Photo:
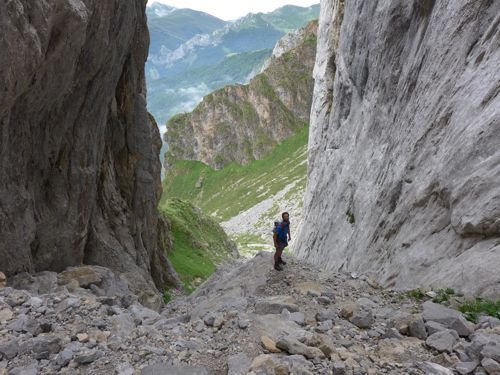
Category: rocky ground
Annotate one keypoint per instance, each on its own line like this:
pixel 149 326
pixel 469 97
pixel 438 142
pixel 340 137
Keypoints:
pixel 246 319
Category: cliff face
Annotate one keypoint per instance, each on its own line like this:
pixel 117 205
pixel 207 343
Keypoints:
pixel 404 156
pixel 243 122
pixel 80 174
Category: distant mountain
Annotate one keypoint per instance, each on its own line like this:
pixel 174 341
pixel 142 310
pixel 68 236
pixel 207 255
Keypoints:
pixel 170 27
pixel 193 53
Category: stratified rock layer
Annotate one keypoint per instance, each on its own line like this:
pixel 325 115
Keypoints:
pixel 404 150
pixel 79 167
pixel 241 123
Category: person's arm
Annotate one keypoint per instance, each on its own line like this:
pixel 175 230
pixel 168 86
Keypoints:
pixel 275 238
pixel 289 235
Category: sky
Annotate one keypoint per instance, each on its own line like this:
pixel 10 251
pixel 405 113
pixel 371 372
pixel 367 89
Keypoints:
pixel 233 9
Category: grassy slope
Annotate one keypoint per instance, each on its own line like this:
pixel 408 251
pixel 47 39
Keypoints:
pixel 225 193
pixel 199 243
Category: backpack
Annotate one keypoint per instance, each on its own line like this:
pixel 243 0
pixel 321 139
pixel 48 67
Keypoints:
pixel 279 229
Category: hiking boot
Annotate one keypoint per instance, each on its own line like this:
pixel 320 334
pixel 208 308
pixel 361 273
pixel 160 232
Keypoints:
pixel 281 261
pixel 277 267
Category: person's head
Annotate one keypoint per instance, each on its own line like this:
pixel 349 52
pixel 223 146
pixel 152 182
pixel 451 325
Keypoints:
pixel 285 216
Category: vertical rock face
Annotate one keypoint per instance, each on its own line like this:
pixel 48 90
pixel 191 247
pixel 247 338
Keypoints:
pixel 79 167
pixel 404 157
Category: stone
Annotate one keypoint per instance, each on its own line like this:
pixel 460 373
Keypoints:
pixel 449 318
pixel 490 365
pixel 297 317
pixel 323 300
pixel 407 212
pixel 238 364
pixel 324 314
pixel 491 350
pixel 123 325
pixel 323 343
pixel 434 369
pixel 162 369
pixel 410 324
pixel 442 341
pixel 339 368
pixel 88 357
pixel 362 318
pixel 275 305
pixel 9 349
pixel 269 344
pixel 82 337
pixel 31 369
pixel 243 323
pixel 464 368
pixel 64 357
pixel 267 364
pixel 324 327
pixel 43 345
pixel 433 327
pixel 6 315
pixel 293 346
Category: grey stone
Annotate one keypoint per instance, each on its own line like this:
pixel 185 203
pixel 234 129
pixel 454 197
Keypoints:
pixel 162 369
pixel 434 369
pixel 88 357
pixel 64 357
pixel 442 341
pixel 238 364
pixel 392 189
pixel 42 345
pixel 490 365
pixel 25 324
pixel 338 368
pixel 31 369
pixel 293 346
pixel 464 368
pixel 491 350
pixel 297 317
pixel 9 349
pixel 362 318
pixel 324 300
pixel 324 327
pixel 275 305
pixel 243 323
pixel 449 318
pixel 433 327
pixel 326 315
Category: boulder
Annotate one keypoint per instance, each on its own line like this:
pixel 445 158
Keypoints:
pixel 293 346
pixel 452 319
pixel 275 305
pixel 442 341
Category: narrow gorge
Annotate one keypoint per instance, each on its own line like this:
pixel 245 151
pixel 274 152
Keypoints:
pixel 377 127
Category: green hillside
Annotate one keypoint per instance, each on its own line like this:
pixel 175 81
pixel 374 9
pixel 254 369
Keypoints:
pixel 199 243
pixel 224 193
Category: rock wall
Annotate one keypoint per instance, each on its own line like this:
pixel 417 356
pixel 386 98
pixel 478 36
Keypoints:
pixel 79 166
pixel 241 123
pixel 404 155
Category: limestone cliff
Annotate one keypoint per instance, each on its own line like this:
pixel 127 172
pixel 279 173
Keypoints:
pixel 241 123
pixel 404 155
pixel 79 167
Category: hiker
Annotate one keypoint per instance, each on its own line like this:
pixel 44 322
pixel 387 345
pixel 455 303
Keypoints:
pixel 281 236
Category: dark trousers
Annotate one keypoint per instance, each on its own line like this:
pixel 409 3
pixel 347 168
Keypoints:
pixel 279 250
